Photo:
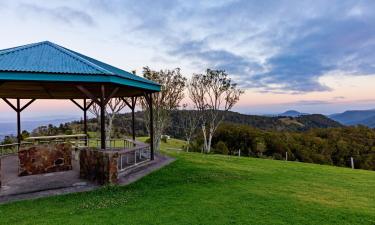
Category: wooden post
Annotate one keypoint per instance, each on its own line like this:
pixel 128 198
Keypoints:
pixel 352 162
pixel 151 127
pixel 102 119
pixel 133 117
pixel 18 110
pixel 85 120
pixel 18 121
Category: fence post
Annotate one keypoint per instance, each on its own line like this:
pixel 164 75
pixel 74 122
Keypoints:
pixel 239 152
pixel 286 156
pixel 352 162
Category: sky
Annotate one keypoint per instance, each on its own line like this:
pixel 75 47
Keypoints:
pixel 312 56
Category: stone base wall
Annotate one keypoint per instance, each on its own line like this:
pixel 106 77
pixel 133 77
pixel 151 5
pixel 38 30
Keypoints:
pixel 99 166
pixel 39 159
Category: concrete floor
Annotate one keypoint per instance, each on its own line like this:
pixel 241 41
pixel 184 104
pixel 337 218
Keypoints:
pixel 36 186
pixel 14 186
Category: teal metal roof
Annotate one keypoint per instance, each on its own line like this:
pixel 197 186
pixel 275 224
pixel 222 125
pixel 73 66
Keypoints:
pixel 46 61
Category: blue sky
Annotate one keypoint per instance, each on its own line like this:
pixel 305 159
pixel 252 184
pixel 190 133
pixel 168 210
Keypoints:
pixel 314 56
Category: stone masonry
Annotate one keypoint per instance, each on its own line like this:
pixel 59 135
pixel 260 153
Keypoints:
pixel 99 166
pixel 39 159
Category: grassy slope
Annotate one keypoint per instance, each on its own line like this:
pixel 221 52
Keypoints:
pixel 214 189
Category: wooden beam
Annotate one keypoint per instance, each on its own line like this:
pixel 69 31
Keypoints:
pixel 18 121
pixel 147 97
pixel 10 104
pixel 85 121
pixel 134 99
pixel 107 99
pixel 88 94
pixel 47 91
pixel 126 102
pixel 151 127
pixel 89 105
pixel 76 103
pixel 27 104
pixel 102 119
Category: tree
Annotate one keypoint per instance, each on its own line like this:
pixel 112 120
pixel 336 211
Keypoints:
pixel 211 93
pixel 114 106
pixel 169 98
pixel 189 124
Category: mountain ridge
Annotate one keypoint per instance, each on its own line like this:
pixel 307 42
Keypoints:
pixel 355 117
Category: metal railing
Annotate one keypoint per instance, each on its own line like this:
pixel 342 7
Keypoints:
pixel 76 140
pixel 133 157
pixel 114 144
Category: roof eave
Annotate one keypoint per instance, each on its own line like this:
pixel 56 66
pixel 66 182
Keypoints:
pixel 84 78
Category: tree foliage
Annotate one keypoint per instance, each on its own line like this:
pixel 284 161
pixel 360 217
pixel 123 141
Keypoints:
pixel 211 93
pixel 332 146
pixel 169 98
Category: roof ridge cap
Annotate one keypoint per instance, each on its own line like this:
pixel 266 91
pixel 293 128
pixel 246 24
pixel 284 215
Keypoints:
pixel 79 58
pixel 20 48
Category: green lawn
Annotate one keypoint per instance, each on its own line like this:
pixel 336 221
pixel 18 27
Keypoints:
pixel 214 189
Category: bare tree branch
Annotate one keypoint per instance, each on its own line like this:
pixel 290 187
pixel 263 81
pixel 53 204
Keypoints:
pixel 169 98
pixel 211 93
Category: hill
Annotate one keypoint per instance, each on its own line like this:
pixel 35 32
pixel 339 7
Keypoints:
pixel 355 117
pixel 300 123
pixel 122 123
pixel 292 113
pixel 370 122
pixel 215 189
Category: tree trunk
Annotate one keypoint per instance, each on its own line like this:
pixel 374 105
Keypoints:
pixel 187 144
pixel 109 127
pixel 204 139
pixel 209 143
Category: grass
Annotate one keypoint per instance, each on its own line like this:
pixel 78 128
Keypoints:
pixel 215 189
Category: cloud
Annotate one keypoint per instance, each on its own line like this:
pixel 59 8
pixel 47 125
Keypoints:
pixel 65 14
pixel 197 53
pixel 271 46
pixel 312 102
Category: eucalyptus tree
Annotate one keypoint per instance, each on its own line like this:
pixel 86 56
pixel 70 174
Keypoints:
pixel 212 93
pixel 169 98
pixel 113 108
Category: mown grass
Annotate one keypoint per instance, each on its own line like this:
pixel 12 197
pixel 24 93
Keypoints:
pixel 215 189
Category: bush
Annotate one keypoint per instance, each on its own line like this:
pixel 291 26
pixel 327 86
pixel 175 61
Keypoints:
pixel 164 139
pixel 221 148
pixel 196 146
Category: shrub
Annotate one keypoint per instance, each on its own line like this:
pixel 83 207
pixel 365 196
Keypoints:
pixel 221 148
pixel 164 139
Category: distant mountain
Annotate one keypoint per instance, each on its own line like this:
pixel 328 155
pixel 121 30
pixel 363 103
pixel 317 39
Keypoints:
pixel 292 113
pixel 356 117
pixel 280 123
pixel 370 122
pixel 7 128
pixel 122 122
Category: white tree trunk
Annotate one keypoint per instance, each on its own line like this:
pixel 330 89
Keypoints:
pixel 205 147
pixel 187 144
pixel 209 143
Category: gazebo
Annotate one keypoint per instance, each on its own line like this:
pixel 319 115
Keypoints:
pixel 46 70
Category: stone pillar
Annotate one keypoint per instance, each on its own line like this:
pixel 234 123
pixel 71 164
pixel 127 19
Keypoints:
pixel 99 166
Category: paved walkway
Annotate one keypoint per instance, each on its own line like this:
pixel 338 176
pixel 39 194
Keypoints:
pixel 36 186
